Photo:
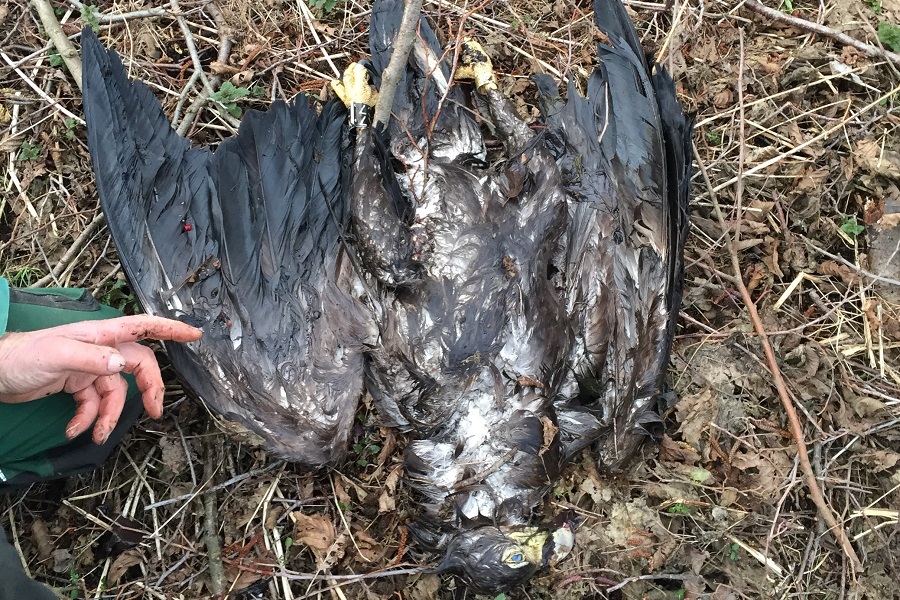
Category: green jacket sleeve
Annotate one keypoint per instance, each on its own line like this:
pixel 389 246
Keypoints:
pixel 4 304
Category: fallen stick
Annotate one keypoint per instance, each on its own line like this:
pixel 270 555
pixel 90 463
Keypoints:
pixel 816 28
pixel 218 582
pixel 56 35
pixel 390 78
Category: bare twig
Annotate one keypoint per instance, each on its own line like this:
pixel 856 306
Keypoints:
pixel 66 50
pixel 847 263
pixel 37 89
pixel 156 11
pixel 210 83
pixel 218 583
pixel 73 252
pixel 481 476
pixel 390 78
pixel 837 36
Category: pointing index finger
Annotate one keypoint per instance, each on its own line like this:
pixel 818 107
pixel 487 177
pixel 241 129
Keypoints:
pixel 121 330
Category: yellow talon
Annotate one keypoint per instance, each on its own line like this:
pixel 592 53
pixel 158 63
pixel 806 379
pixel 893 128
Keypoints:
pixel 475 64
pixel 356 93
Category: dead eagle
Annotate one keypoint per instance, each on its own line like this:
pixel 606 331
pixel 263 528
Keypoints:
pixel 506 315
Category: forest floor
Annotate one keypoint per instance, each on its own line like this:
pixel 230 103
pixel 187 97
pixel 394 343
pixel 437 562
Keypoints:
pixel 797 148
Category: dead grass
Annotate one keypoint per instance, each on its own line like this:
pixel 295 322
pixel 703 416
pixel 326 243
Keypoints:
pixel 719 509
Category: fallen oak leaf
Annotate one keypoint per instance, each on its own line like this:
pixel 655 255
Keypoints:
pixel 315 531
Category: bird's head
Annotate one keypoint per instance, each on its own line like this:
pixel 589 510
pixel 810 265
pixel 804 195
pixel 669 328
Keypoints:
pixel 491 559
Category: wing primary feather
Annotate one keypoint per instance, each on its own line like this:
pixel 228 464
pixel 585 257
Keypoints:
pixel 243 242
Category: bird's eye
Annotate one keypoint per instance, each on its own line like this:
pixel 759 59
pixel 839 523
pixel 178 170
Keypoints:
pixel 517 558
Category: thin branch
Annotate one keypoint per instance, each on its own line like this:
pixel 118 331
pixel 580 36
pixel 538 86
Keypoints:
pixel 73 252
pixel 218 582
pixel 855 268
pixel 137 14
pixel 390 78
pixel 56 35
pixel 816 28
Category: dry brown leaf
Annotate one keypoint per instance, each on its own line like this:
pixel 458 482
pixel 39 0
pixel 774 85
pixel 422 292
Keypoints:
pixel 315 531
pixel 767 65
pixel 599 495
pixel 425 588
pixel 873 210
pixel 873 157
pixel 695 413
pixel 845 273
pixel 40 535
pixel 680 452
pixel 764 468
pixel 386 501
pixel 62 560
pixel 242 579
pixel 388 445
pixel 122 563
pixel 173 456
pixel 770 258
pixel 882 460
pixel 368 547
pixel 864 406
pixel 758 210
pixel 889 221
pixel 340 492
pixel 243 77
pixel 222 68
pixel 723 98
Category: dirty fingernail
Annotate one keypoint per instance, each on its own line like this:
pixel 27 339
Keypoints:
pixel 72 431
pixel 116 362
pixel 101 435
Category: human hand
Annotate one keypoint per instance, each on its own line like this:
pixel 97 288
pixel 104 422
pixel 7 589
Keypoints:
pixel 84 359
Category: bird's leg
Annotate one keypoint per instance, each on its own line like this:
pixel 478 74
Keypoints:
pixel 475 64
pixel 357 94
pixel 380 213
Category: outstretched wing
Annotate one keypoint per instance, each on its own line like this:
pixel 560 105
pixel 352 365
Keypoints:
pixel 625 155
pixel 244 242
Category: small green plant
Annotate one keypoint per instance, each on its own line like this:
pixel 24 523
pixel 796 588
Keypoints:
pixel 679 509
pixel 325 6
pixel 366 452
pixel 500 596
pixel 227 97
pixel 56 60
pixel 74 578
pixel 288 542
pixel 117 294
pixel 90 14
pixel 714 137
pixel 733 555
pixel 851 227
pixel 680 593
pixel 22 276
pixel 29 151
pixel 69 122
pixel 258 91
pixel 525 21
pixel 875 5
pixel 787 6
pixel 889 35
